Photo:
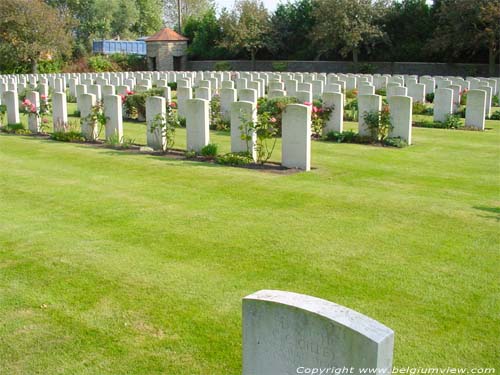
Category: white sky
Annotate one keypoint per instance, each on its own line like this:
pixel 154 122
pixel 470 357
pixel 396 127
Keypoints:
pixel 270 4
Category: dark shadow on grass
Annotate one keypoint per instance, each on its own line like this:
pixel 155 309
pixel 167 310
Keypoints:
pixel 494 210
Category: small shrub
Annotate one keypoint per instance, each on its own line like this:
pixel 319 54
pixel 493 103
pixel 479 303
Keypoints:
pixel 463 98
pixel 496 101
pixel 347 136
pixel 452 122
pixel 182 122
pixel 172 85
pixel 429 97
pixel 70 98
pixel 135 104
pixel 210 150
pixel 495 115
pixel 190 154
pixel 378 123
pixel 234 158
pixel 367 68
pixel 274 108
pixel 216 120
pixel 71 136
pixel 222 66
pixel 99 63
pixel 280 66
pixel 120 143
pixel 419 108
pixel 351 94
pixel 14 129
pixel 395 142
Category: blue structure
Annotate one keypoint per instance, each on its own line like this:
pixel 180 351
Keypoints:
pixel 129 47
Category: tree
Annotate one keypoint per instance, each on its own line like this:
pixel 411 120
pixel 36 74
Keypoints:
pixel 246 27
pixel 347 25
pixel 31 30
pixel 466 27
pixel 291 24
pixel 187 9
pixel 150 17
pixel 204 31
pixel 409 25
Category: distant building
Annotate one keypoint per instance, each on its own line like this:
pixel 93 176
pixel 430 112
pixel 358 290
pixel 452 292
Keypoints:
pixel 167 50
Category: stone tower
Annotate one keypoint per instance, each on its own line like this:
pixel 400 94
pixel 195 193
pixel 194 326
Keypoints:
pixel 167 50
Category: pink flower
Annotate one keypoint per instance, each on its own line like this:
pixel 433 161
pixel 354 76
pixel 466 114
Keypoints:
pixel 308 103
pixel 33 108
pixel 26 102
pixel 130 92
pixel 43 97
pixel 173 105
pixel 272 120
pixel 315 109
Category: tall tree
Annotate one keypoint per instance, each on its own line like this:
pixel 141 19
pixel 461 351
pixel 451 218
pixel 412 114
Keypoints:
pixel 186 9
pixel 31 30
pixel 466 27
pixel 291 24
pixel 409 25
pixel 347 25
pixel 150 17
pixel 246 27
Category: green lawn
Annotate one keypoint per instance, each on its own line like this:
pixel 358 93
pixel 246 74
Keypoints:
pixel 116 263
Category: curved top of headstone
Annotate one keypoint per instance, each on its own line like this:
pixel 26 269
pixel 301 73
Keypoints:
pixel 351 319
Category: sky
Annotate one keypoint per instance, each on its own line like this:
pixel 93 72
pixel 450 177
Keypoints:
pixel 269 4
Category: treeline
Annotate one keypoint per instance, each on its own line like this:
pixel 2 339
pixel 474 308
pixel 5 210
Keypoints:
pixel 48 34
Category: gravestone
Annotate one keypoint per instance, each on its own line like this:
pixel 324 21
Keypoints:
pixel 366 90
pixel 197 124
pixel 11 100
pixel 34 119
pixel 273 94
pixel 242 112
pixel 227 97
pixel 183 95
pixel 296 137
pixel 203 93
pixel 247 95
pixel 113 113
pixel 287 333
pixel 401 117
pixel 155 117
pixel 334 100
pixel 367 103
pixel 59 111
pixel 476 109
pixel 89 129
pixel 443 104
pixel 417 92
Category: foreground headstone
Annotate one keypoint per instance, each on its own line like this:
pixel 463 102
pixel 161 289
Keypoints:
pixel 443 104
pixel 290 333
pixel 11 100
pixel 59 111
pixel 243 112
pixel 334 100
pixel 114 117
pixel 476 109
pixel 197 124
pixel 34 121
pixel 89 127
pixel 296 137
pixel 366 104
pixel 401 116
pixel 155 117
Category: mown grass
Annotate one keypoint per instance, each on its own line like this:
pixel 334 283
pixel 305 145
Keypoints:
pixel 117 263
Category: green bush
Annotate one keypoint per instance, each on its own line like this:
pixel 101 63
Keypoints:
pixel 496 101
pixel 280 66
pixel 129 62
pixel 451 122
pixel 395 142
pixel 210 150
pixel 222 66
pixel 14 129
pixel 71 136
pixel 495 115
pixel 234 158
pixel 348 136
pixel 429 97
pixel 419 108
pixel 99 63
pixel 135 104
pixel 172 85
pixel 275 107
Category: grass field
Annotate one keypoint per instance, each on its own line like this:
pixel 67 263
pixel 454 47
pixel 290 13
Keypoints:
pixel 116 263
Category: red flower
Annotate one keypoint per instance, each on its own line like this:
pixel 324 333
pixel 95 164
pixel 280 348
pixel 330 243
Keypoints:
pixel 173 105
pixel 43 97
pixel 130 92
pixel 308 103
pixel 315 109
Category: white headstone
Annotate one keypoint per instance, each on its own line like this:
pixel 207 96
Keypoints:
pixel 59 111
pixel 197 124
pixel 113 113
pixel 89 128
pixel 290 333
pixel 367 103
pixel 443 104
pixel 334 100
pixel 242 112
pixel 296 137
pixel 34 119
pixel 476 109
pixel 401 108
pixel 10 99
pixel 155 118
